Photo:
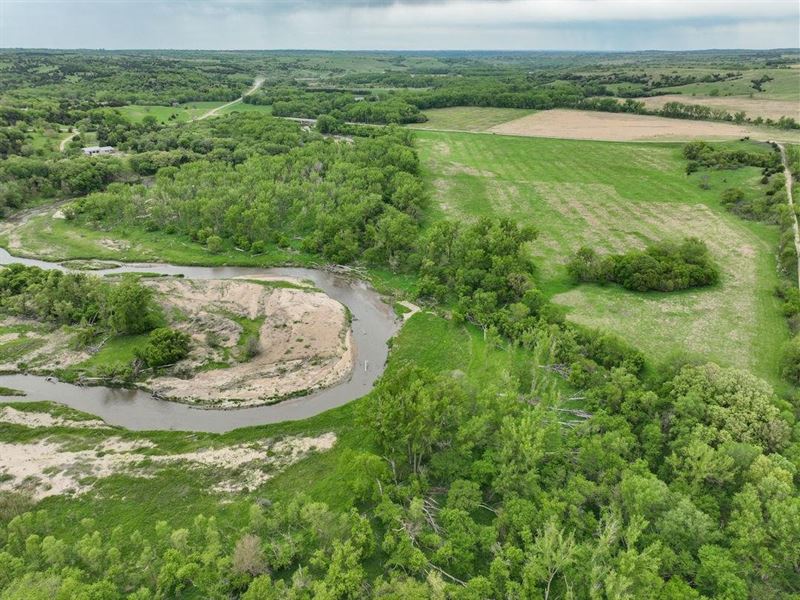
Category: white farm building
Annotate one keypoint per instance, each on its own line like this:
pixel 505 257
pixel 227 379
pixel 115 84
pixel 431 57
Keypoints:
pixel 95 150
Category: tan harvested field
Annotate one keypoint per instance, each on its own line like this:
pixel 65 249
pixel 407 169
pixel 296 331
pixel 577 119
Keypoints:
pixel 619 127
pixel 753 107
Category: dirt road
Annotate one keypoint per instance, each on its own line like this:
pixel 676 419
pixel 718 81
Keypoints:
pixel 256 84
pixel 787 173
pixel 67 140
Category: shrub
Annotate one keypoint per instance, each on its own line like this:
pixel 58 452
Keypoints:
pixel 790 362
pixel 587 265
pixel 252 347
pixel 165 346
pixel 214 243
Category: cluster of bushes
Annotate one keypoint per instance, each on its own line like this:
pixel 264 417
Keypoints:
pixel 767 207
pixel 704 155
pixel 484 271
pixel 165 346
pixel 26 179
pixel 665 266
pixel 789 295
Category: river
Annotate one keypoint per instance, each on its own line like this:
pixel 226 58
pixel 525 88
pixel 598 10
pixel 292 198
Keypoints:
pixel 373 324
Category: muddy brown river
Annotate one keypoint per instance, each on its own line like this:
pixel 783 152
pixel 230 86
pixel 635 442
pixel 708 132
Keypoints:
pixel 373 324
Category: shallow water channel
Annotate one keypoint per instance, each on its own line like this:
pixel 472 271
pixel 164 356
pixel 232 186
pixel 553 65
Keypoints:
pixel 374 323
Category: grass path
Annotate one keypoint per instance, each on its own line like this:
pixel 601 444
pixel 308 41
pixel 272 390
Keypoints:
pixel 63 145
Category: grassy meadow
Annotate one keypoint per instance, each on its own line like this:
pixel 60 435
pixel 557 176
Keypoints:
pixel 785 85
pixel 615 196
pixel 184 112
pixel 164 114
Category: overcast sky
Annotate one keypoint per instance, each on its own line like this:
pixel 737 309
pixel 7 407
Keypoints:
pixel 401 24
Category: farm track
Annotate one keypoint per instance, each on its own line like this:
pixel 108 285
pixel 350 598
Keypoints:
pixel 256 84
pixel 62 146
pixel 787 173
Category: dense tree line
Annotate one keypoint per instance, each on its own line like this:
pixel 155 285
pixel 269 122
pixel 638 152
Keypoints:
pixel 344 106
pixel 150 146
pixel 705 155
pixel 119 78
pixel 52 296
pixel 664 266
pixel 346 201
pixel 26 179
pixel 680 488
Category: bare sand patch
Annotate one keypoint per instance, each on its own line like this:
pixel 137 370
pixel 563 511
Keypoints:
pixel 304 341
pixel 50 350
pixel 44 419
pixel 752 107
pixel 619 127
pixel 47 468
pixel 114 245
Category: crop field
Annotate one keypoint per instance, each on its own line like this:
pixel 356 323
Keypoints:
pixel 469 118
pixel 620 127
pixel 614 197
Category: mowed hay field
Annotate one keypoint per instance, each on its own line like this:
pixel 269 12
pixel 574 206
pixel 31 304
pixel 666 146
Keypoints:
pixel 620 127
pixel 616 196
pixel 469 118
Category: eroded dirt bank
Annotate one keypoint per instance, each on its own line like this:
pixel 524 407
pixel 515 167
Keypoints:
pixel 303 340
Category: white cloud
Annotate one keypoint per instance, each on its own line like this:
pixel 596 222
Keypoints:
pixel 386 24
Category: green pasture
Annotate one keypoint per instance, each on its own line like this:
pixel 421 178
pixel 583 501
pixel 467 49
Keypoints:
pixel 616 196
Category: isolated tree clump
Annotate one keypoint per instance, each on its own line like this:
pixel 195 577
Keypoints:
pixel 165 346
pixel 665 267
pixel 131 308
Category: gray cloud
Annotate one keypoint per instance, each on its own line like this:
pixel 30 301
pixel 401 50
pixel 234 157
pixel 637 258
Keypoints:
pixel 401 24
